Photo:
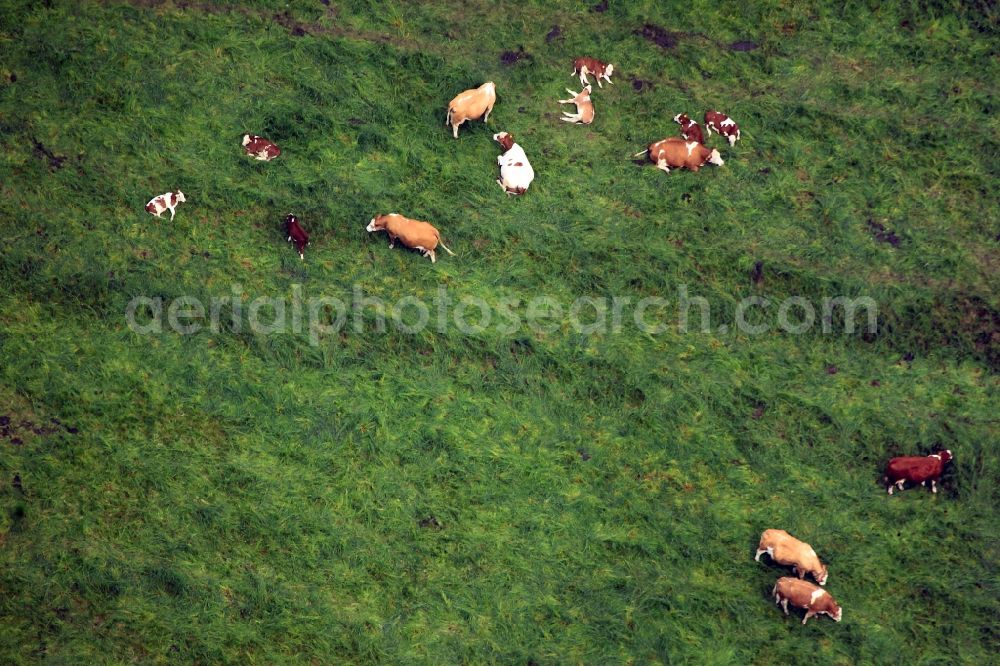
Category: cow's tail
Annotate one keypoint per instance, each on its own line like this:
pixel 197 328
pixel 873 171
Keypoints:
pixel 642 153
pixel 441 243
pixel 447 119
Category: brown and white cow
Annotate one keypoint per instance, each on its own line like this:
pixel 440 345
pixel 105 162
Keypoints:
pixel 787 550
pixel 260 148
pixel 471 104
pixel 164 202
pixel 585 66
pixel 803 594
pixel 690 130
pixel 414 234
pixel 723 124
pixel 516 173
pixel 296 234
pixel 678 153
pixel 584 107
pixel 916 469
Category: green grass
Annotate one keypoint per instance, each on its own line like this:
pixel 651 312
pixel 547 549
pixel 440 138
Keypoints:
pixel 396 498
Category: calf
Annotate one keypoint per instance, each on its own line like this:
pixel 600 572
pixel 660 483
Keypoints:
pixel 787 550
pixel 413 234
pixel 296 234
pixel 803 594
pixel 584 66
pixel 260 148
pixel 677 153
pixel 516 173
pixel 471 104
pixel 690 130
pixel 584 107
pixel 722 124
pixel 164 202
pixel 916 469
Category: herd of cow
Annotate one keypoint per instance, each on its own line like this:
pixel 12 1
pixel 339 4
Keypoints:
pixel 789 551
pixel 687 151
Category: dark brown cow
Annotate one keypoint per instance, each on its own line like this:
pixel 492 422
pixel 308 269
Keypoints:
pixel 723 124
pixel 690 130
pixel 260 148
pixel 296 234
pixel 916 469
pixel 584 66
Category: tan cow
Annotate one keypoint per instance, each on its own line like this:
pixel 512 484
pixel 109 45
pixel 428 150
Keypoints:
pixel 678 153
pixel 584 107
pixel 471 104
pixel 585 66
pixel 413 234
pixel 787 550
pixel 803 594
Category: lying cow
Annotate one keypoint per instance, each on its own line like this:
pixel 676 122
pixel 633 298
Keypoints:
pixel 516 173
pixel 260 148
pixel 296 234
pixel 678 153
pixel 803 594
pixel 690 130
pixel 164 202
pixel 471 104
pixel 584 107
pixel 585 66
pixel 916 469
pixel 723 124
pixel 414 234
pixel 787 550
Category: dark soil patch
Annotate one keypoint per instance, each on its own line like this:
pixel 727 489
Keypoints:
pixel 554 33
pixel 584 456
pixel 882 234
pixel 430 522
pixel 41 152
pixel 510 58
pixel 639 85
pixel 4 420
pixel 831 370
pixel 758 413
pixel 659 36
pixel 357 122
pixel 757 272
pixel 743 46
pixel 13 77
pixel 876 383
pixel 600 7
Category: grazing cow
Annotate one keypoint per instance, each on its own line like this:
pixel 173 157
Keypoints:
pixel 260 147
pixel 803 594
pixel 164 202
pixel 470 105
pixel 413 234
pixel 722 124
pixel 678 153
pixel 584 107
pixel 516 173
pixel 916 469
pixel 787 550
pixel 296 234
pixel 584 66
pixel 690 130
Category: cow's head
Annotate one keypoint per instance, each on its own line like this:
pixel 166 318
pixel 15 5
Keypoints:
pixel 945 455
pixel 682 119
pixel 836 612
pixel 715 158
pixel 289 219
pixel 180 196
pixel 505 139
pixel 377 224
pixel 821 574
pixel 247 138
pixel 609 70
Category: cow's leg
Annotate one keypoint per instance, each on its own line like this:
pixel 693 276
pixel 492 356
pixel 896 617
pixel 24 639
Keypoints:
pixel 809 614
pixel 784 605
pixel 454 128
pixel 662 164
pixel 708 128
pixel 583 76
pixel 732 140
pixel 760 551
pixel 302 256
pixel 431 254
pixel 900 483
pixel 933 486
pixel 172 210
pixel 486 118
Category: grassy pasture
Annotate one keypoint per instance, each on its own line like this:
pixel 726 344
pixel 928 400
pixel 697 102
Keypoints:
pixel 511 497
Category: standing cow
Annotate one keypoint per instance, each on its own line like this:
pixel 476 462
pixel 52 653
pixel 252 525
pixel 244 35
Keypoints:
pixel 723 124
pixel 471 104
pixel 585 66
pixel 296 234
pixel 916 469
pixel 803 594
pixel 167 201
pixel 690 130
pixel 414 234
pixel 787 550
